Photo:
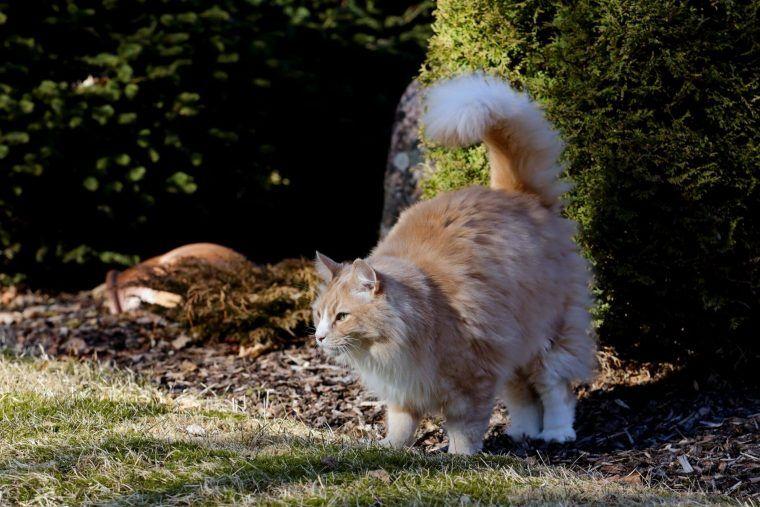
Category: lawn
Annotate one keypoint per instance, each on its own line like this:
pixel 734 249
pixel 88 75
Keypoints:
pixel 73 433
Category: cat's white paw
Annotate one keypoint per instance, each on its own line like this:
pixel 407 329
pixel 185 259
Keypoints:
pixel 518 432
pixel 560 435
pixel 524 420
pixel 463 448
pixel 390 444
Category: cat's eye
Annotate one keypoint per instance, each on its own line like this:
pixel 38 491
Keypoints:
pixel 341 316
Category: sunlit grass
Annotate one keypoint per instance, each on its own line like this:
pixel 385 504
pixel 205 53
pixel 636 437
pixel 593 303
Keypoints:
pixel 72 433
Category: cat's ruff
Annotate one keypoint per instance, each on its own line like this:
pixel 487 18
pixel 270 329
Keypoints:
pixel 476 294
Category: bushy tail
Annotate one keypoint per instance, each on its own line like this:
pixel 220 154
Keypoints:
pixel 522 146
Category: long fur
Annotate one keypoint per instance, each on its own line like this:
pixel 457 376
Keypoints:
pixel 475 294
pixel 522 146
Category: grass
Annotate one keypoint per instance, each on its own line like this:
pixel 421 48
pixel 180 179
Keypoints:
pixel 72 433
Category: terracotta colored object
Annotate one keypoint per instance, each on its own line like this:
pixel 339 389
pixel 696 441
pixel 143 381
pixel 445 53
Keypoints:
pixel 123 291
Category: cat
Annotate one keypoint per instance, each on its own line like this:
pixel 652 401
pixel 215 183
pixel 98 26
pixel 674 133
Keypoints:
pixel 474 295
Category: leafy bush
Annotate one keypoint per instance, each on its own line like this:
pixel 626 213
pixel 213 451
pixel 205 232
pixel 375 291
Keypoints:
pixel 132 126
pixel 657 101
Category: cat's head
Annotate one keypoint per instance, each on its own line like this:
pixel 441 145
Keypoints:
pixel 351 310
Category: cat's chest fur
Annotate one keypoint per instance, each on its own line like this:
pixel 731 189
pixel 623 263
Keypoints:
pixel 403 381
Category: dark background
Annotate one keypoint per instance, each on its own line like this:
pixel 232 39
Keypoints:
pixel 263 126
pixel 128 128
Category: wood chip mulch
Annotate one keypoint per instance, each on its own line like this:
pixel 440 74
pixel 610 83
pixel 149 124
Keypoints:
pixel 639 423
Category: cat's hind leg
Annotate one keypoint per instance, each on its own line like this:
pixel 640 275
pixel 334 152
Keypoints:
pixel 558 400
pixel 570 359
pixel 524 407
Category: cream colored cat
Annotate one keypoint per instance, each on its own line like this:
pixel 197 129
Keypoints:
pixel 475 295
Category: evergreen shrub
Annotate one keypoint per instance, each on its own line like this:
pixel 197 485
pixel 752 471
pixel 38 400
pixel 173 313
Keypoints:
pixel 657 101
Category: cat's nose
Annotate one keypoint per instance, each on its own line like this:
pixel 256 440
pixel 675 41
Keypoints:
pixel 319 337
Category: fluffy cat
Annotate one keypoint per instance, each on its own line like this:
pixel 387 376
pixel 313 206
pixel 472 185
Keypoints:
pixel 476 294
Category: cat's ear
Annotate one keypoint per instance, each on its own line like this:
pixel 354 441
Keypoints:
pixel 366 276
pixel 326 267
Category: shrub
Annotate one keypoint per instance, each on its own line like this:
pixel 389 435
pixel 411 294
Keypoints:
pixel 657 101
pixel 130 127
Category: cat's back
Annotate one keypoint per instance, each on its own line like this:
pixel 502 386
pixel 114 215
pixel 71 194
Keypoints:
pixel 499 261
pixel 463 226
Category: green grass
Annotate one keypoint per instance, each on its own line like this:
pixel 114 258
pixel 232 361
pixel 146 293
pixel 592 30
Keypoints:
pixel 73 434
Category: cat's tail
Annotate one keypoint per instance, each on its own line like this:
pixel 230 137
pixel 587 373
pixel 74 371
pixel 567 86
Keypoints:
pixel 522 146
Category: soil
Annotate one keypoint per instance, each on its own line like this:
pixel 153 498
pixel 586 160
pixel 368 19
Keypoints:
pixel 638 423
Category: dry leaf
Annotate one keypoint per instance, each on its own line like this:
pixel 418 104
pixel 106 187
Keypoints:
pixel 76 346
pixel 188 366
pixel 253 351
pixel 685 465
pixel 181 341
pixel 380 474
pixel 633 478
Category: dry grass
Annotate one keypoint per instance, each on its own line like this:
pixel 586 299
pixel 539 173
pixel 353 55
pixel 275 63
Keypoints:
pixel 261 307
pixel 72 433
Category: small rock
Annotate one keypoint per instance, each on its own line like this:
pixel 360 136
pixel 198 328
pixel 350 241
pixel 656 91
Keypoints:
pixel 195 430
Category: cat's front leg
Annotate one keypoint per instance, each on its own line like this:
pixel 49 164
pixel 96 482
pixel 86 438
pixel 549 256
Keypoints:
pixel 400 425
pixel 467 428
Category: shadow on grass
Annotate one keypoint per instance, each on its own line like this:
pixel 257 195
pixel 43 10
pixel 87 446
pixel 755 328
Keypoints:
pixel 135 469
pixel 139 468
pixel 87 464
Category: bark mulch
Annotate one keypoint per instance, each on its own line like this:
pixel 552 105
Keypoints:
pixel 639 423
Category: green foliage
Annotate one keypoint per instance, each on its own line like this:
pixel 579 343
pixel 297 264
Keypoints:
pixel 657 102
pixel 124 120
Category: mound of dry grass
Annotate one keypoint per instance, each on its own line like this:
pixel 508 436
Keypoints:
pixel 260 307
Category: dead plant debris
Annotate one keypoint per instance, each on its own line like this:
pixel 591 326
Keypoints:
pixel 259 307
